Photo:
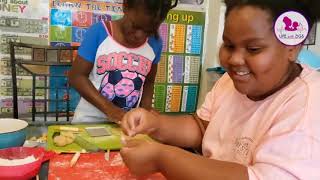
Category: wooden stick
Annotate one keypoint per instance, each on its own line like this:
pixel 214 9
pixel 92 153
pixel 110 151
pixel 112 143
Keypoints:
pixel 65 128
pixel 74 159
pixel 107 155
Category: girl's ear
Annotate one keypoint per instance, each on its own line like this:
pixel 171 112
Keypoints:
pixel 294 52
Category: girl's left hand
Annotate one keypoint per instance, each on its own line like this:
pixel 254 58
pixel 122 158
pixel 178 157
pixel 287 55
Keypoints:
pixel 142 156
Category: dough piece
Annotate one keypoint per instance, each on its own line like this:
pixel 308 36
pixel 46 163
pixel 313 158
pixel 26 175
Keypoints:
pixel 67 134
pixel 64 138
pixel 69 140
pixel 60 141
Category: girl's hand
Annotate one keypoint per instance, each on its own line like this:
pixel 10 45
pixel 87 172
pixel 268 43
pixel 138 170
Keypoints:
pixel 142 156
pixel 140 121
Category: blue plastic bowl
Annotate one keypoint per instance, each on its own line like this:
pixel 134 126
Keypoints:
pixel 12 132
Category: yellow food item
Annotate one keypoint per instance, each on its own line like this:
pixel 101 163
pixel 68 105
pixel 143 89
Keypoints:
pixel 60 141
pixel 69 140
pixel 64 128
pixel 64 139
pixel 43 138
pixel 67 134
pixel 33 138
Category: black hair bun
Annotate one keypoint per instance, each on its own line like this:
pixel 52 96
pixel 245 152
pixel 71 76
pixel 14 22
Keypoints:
pixel 314 8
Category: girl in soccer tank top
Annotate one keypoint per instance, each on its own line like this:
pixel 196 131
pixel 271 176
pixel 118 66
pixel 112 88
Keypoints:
pixel 117 62
pixel 261 120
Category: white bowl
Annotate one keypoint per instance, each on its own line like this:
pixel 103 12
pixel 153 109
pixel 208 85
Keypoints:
pixel 11 125
pixel 12 132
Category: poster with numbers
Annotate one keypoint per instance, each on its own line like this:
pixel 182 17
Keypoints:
pixel 23 21
pixel 178 77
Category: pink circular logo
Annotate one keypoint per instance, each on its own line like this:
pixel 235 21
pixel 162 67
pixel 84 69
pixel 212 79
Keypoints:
pixel 291 28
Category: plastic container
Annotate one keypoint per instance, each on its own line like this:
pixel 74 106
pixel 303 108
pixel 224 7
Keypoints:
pixel 26 171
pixel 12 132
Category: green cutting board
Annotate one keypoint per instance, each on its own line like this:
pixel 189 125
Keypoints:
pixel 112 142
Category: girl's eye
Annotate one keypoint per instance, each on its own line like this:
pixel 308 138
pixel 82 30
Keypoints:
pixel 254 49
pixel 228 46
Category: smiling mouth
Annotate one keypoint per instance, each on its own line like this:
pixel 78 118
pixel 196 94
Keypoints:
pixel 241 76
pixel 242 73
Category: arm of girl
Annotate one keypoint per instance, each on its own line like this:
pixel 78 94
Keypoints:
pixel 175 163
pixel 181 131
pixel 147 95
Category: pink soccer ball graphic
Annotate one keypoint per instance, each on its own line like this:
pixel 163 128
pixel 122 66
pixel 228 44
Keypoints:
pixel 122 88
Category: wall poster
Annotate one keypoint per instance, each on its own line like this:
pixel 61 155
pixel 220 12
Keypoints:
pixel 23 21
pixel 178 77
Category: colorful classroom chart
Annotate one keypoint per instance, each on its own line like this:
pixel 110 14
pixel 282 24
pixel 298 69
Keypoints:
pixel 162 70
pixel 163 32
pixel 188 98
pixel 159 97
pixel 192 68
pixel 175 69
pixel 194 39
pixel 173 98
pixel 69 19
pixel 24 21
pixel 177 38
pixel 177 80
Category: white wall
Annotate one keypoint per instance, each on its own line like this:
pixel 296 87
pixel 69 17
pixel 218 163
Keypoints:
pixel 316 48
pixel 210 58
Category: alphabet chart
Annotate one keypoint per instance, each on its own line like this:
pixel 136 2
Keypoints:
pixel 177 81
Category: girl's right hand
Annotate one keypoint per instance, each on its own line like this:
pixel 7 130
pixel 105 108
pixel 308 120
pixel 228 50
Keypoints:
pixel 140 121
